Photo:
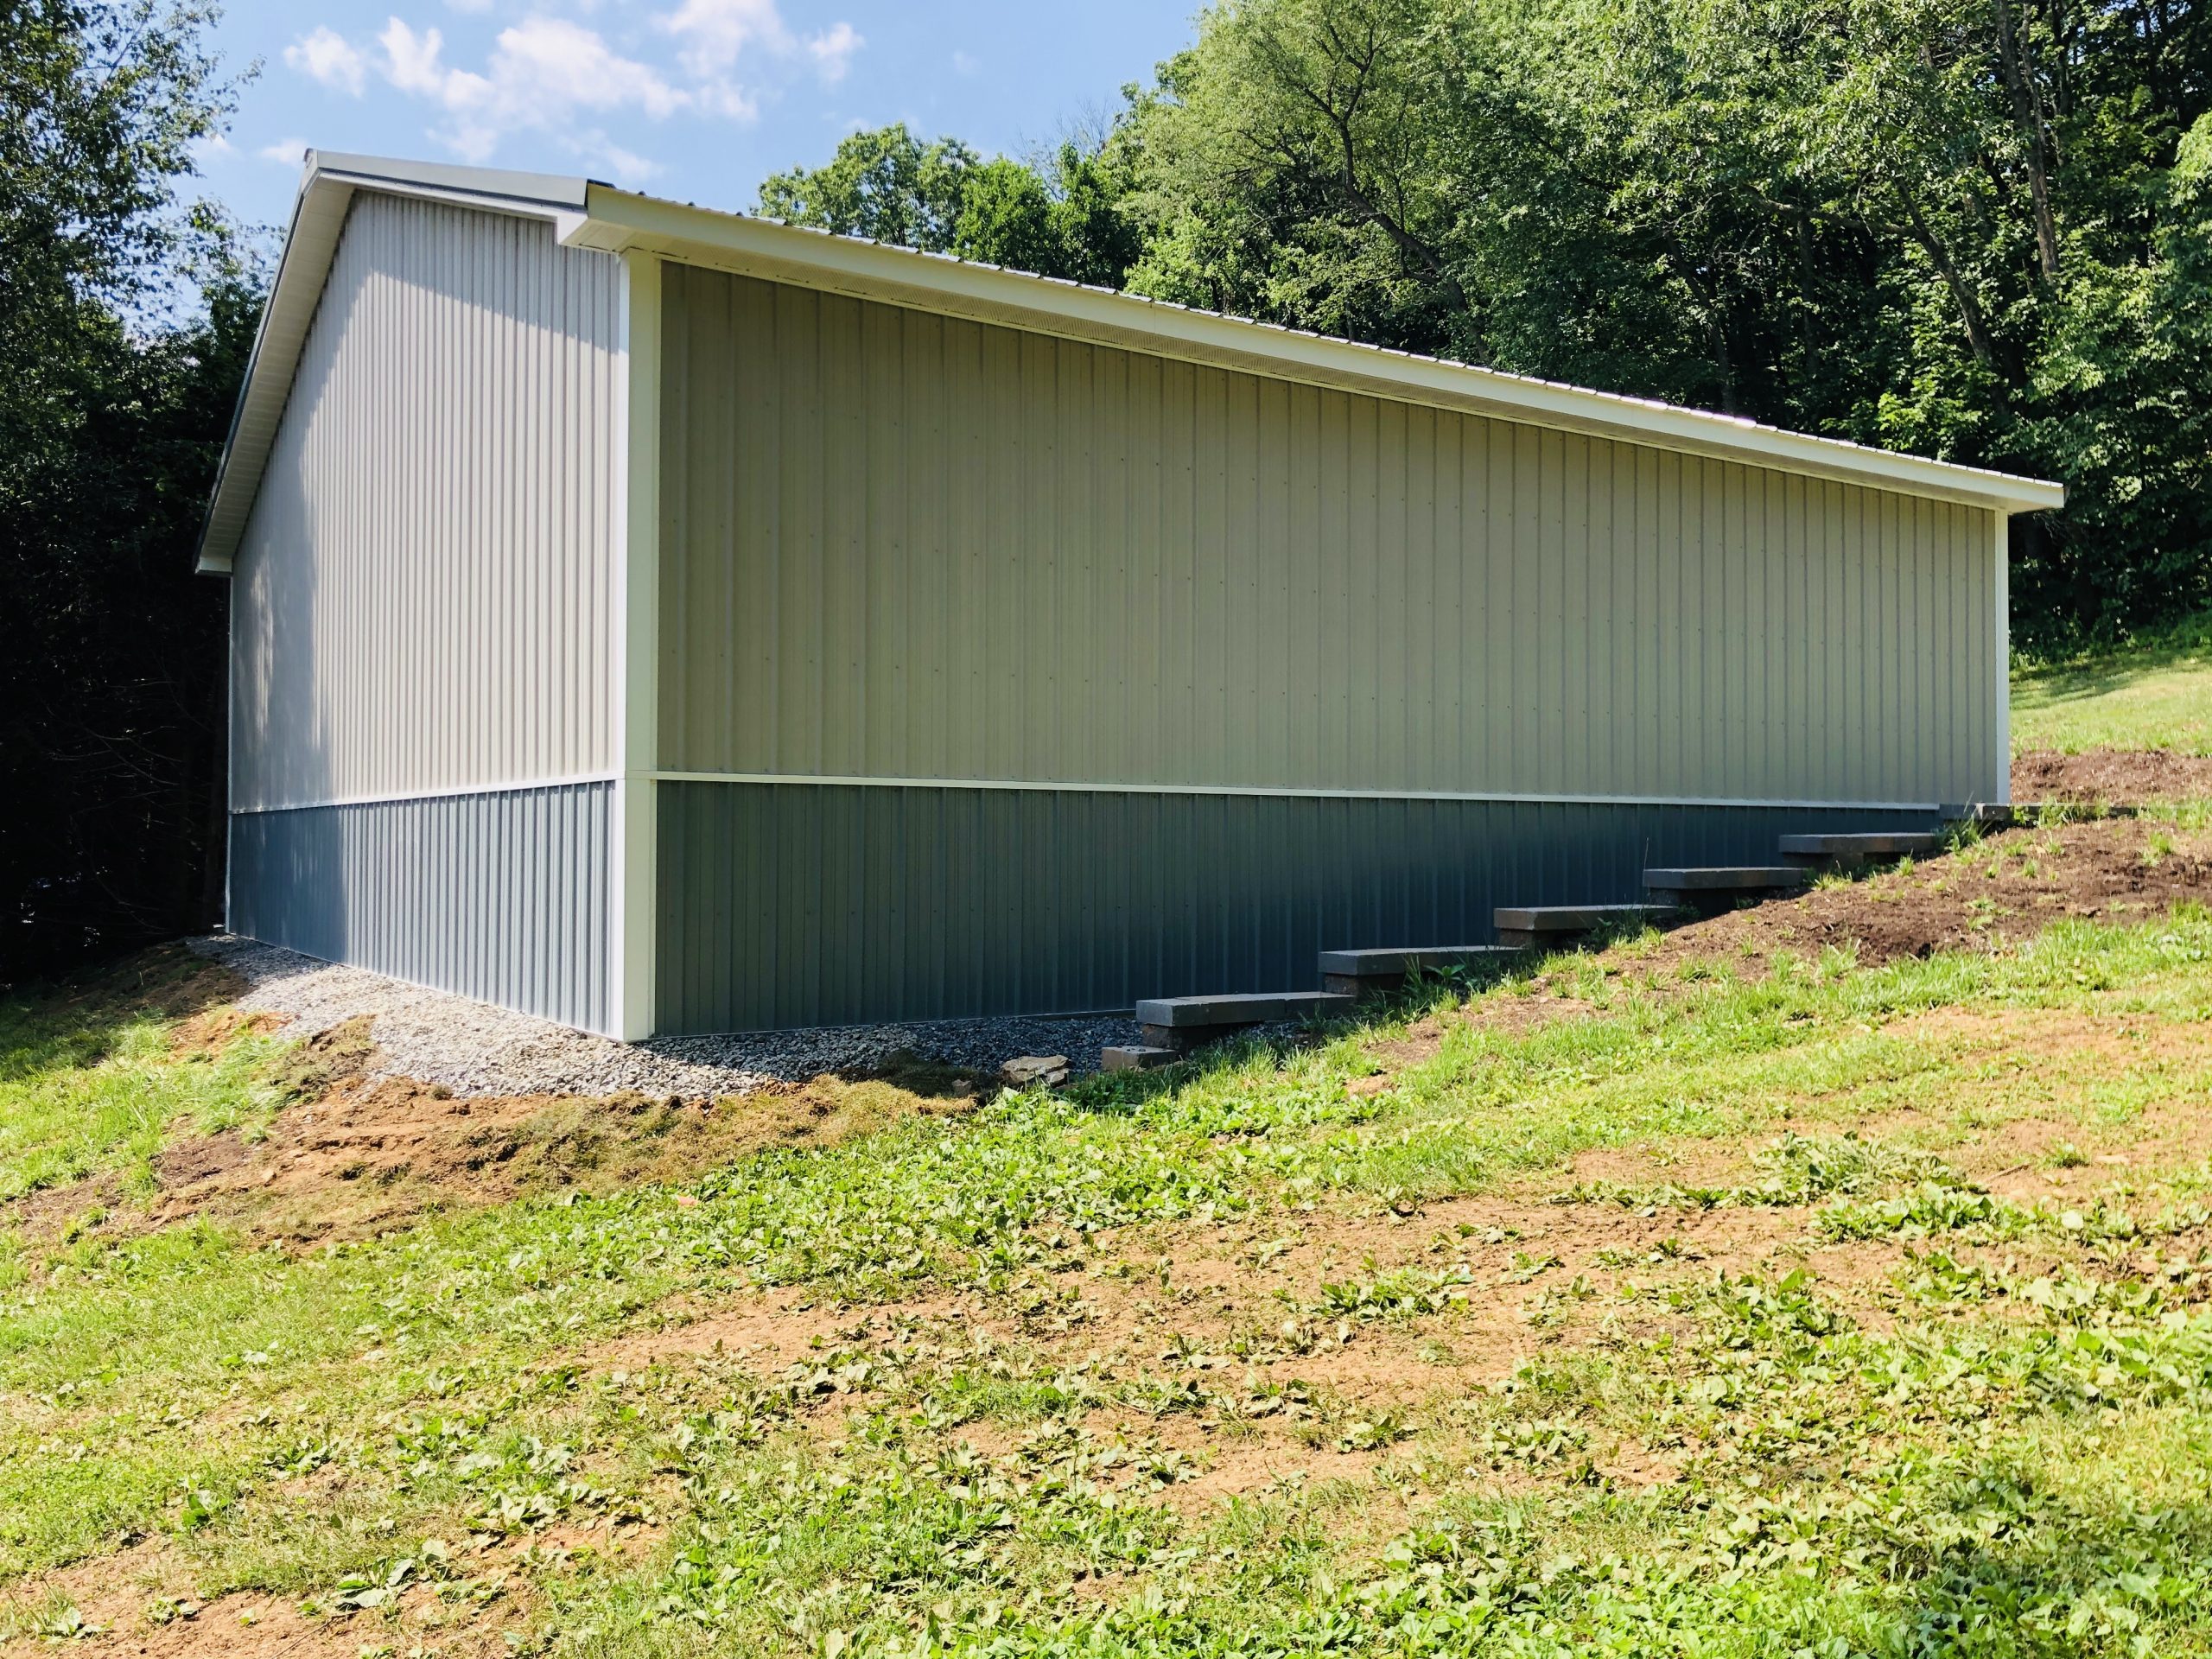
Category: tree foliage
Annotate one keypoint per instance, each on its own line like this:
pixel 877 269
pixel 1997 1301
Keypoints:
pixel 125 319
pixel 1058 216
pixel 1973 229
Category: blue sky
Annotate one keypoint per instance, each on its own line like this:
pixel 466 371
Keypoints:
pixel 696 99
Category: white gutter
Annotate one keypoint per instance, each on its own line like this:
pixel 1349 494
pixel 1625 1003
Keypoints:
pixel 619 221
pixel 592 215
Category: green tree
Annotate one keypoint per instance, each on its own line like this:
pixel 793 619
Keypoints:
pixel 126 315
pixel 1952 227
pixel 1060 218
pixel 885 185
pixel 1063 219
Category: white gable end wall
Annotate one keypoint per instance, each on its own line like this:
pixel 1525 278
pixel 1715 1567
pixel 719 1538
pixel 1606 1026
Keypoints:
pixel 426 655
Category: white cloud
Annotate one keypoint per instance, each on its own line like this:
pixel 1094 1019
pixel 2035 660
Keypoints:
pixel 550 58
pixel 541 73
pixel 966 63
pixel 832 51
pixel 549 74
pixel 624 165
pixel 328 58
pixel 410 61
pixel 712 34
pixel 728 101
pixel 285 152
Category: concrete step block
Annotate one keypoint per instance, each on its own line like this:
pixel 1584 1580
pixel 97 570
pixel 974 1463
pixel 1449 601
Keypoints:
pixel 1176 1022
pixel 1531 927
pixel 1540 920
pixel 1727 878
pixel 1135 1057
pixel 1859 847
pixel 1356 972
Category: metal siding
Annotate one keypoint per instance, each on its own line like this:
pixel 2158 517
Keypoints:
pixel 422 596
pixel 797 905
pixel 501 896
pixel 903 545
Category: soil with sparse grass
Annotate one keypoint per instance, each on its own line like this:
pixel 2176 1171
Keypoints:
pixel 1830 1277
pixel 2111 777
pixel 1988 893
pixel 351 1153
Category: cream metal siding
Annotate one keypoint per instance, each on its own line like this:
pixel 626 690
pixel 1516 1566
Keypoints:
pixel 423 599
pixel 904 546
pixel 501 896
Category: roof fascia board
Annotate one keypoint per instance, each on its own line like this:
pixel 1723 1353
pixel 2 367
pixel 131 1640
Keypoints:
pixel 619 220
pixel 534 190
pixel 566 219
pixel 328 183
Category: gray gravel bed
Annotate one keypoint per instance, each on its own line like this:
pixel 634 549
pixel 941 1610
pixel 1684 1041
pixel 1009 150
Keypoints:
pixel 476 1049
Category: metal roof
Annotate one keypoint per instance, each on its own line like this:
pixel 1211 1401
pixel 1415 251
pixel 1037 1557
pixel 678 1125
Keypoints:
pixel 587 214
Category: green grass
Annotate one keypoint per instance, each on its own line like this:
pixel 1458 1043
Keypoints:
pixel 1929 1420
pixel 2158 696
pixel 88 1089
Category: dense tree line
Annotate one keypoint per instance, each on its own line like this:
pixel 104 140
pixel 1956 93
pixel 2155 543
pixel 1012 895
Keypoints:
pixel 1975 229
pixel 124 321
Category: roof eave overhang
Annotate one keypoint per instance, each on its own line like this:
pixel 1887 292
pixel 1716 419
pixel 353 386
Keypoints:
pixel 619 221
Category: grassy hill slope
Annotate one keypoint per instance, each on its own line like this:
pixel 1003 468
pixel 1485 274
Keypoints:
pixel 1765 1287
pixel 2156 696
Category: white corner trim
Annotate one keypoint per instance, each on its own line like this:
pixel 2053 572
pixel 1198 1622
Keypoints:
pixel 2002 723
pixel 634 941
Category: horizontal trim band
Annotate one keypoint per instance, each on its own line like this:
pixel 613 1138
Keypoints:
pixel 827 781
pixel 445 793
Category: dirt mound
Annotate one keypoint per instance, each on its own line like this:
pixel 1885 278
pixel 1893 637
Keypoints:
pixel 352 1153
pixel 2117 776
pixel 364 1157
pixel 2005 888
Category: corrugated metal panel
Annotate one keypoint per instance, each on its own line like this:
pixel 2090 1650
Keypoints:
pixel 422 600
pixel 798 904
pixel 896 544
pixel 501 896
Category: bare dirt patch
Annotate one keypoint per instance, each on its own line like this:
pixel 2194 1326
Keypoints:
pixel 1546 1004
pixel 2116 777
pixel 215 1029
pixel 352 1155
pixel 139 1604
pixel 765 1330
pixel 368 1157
